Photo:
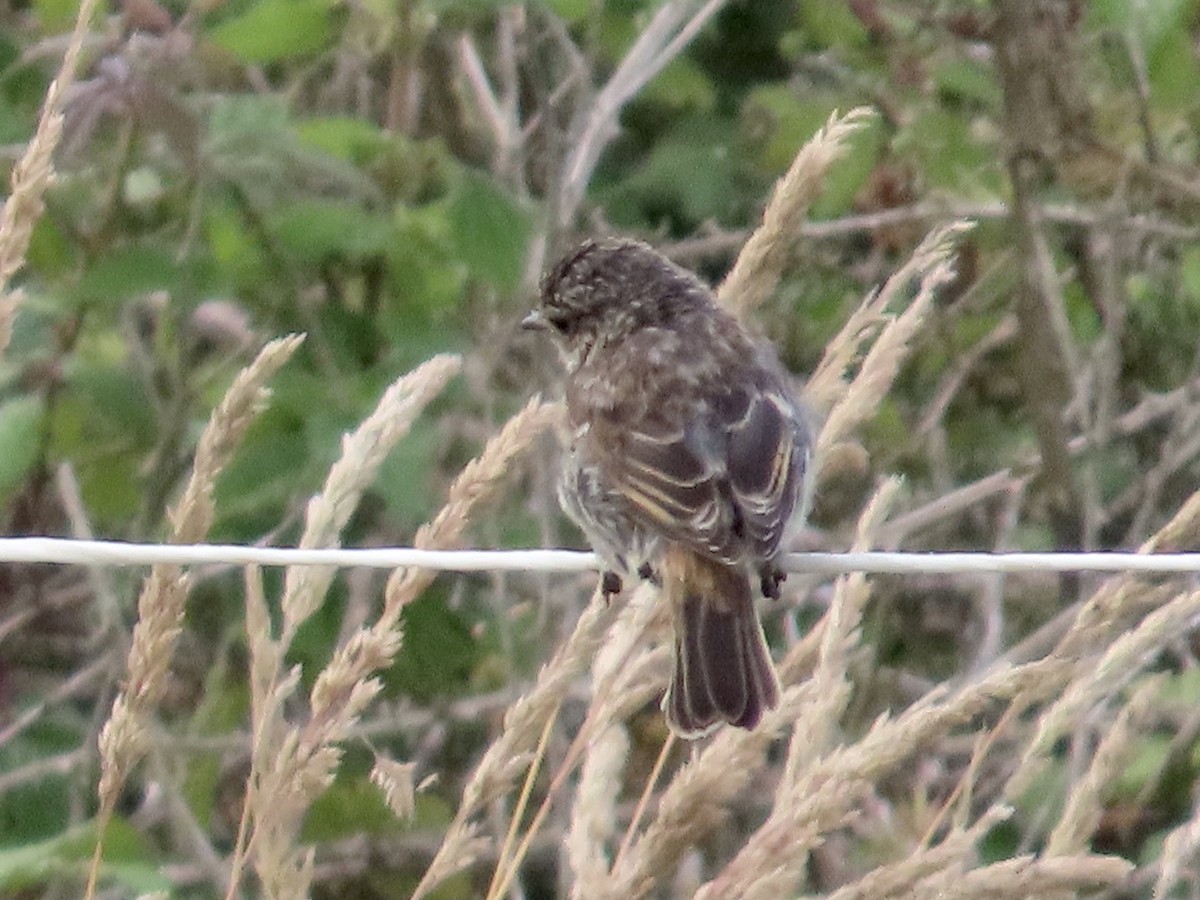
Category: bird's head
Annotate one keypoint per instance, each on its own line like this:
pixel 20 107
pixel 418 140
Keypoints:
pixel 606 289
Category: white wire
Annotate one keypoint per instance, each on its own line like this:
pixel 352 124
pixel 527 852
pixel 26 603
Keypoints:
pixel 117 553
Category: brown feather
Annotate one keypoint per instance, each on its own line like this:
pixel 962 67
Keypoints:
pixel 722 670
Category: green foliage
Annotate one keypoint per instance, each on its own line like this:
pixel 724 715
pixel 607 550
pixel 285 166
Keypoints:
pixel 39 810
pixel 834 25
pixel 313 231
pixel 20 428
pixel 489 232
pixel 223 706
pixel 272 31
pixel 442 652
pixel 126 860
pixel 351 806
pixel 56 15
pixel 691 175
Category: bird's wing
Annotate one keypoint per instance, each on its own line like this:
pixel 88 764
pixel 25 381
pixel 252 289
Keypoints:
pixel 767 448
pixel 725 479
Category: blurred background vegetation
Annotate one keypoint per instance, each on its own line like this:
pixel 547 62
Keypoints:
pixel 391 177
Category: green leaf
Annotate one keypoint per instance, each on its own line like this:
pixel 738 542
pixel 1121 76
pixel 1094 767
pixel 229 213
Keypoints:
pixel 1182 691
pixel 104 422
pixel 967 79
pixel 428 279
pixel 1174 71
pixel 126 859
pixel 315 230
pixel 38 809
pixel 777 123
pixel 472 9
pixel 128 272
pixel 682 85
pixel 438 655
pixel 1081 312
pixel 55 16
pixel 403 480
pixel 351 805
pixel 14 122
pixel 1189 273
pixel 832 24
pixel 341 136
pixel 942 146
pixel 1148 21
pixel 691 175
pixel 20 435
pixel 241 124
pixel 234 249
pixel 116 405
pixel 1146 764
pixel 571 12
pixel 489 231
pixel 50 251
pixel 224 705
pixel 274 30
pixel 270 468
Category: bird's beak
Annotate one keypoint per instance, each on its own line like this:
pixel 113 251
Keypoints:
pixel 535 321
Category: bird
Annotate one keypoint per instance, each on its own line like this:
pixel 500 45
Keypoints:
pixel 686 461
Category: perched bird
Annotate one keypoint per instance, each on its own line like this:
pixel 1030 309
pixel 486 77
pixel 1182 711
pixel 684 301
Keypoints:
pixel 686 459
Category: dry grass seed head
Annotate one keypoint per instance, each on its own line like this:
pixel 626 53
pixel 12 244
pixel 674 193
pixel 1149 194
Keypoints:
pixel 123 741
pixel 815 724
pixel 161 602
pixel 630 665
pixel 299 761
pixel 506 758
pixel 695 803
pixel 475 484
pixel 1122 595
pixel 594 811
pixel 1127 656
pixel 33 173
pixel 932 265
pixel 1085 803
pixel 363 452
pixel 765 256
pixel 956 852
pixel 1177 863
pixel 824 795
pixel 246 397
pixel 395 780
pixel 1025 876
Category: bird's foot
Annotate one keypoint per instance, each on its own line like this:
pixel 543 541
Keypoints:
pixel 647 573
pixel 610 585
pixel 771 577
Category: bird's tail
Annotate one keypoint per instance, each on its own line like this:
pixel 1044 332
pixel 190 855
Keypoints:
pixel 723 669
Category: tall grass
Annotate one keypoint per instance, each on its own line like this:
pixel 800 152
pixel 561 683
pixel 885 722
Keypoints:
pixel 804 788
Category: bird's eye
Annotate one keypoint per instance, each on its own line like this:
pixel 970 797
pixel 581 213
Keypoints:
pixel 558 319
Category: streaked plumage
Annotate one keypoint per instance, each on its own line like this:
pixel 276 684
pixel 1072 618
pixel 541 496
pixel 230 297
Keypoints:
pixel 686 458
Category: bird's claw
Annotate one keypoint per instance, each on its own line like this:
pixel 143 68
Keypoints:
pixel 647 573
pixel 771 579
pixel 610 585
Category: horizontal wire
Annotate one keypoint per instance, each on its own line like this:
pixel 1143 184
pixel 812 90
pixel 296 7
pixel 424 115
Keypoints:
pixel 120 553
